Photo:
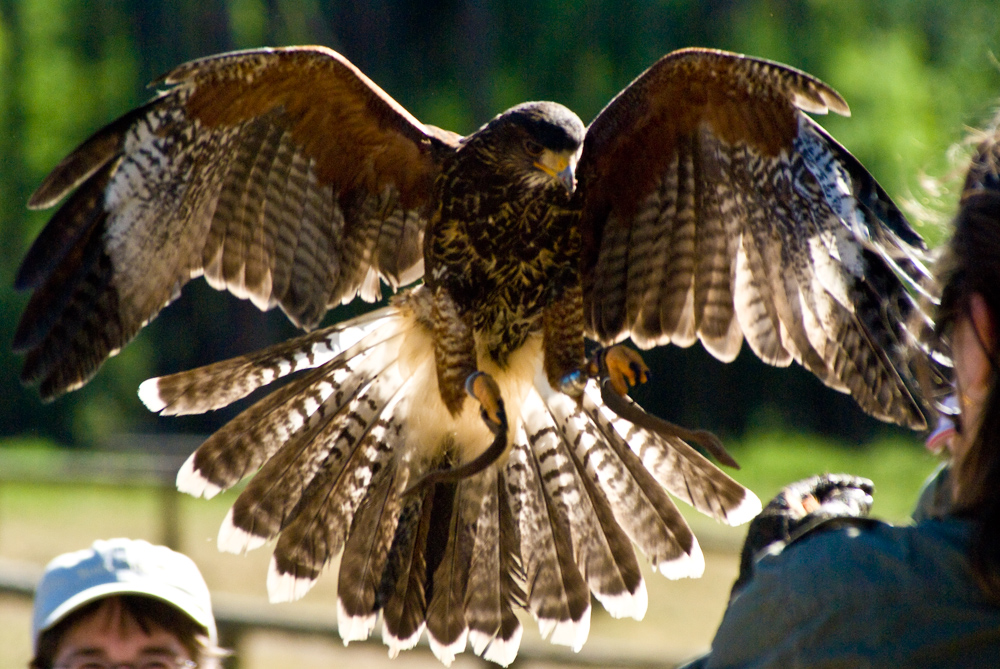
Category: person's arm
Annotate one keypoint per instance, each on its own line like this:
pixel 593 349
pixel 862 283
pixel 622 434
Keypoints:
pixel 802 507
pixel 935 500
pixel 766 606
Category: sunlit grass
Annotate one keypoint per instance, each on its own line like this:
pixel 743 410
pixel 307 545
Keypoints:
pixel 40 520
pixel 768 462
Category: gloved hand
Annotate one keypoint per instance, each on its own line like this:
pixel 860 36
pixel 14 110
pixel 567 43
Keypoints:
pixel 800 507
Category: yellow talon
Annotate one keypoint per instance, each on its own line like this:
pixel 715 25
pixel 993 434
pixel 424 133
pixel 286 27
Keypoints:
pixel 623 367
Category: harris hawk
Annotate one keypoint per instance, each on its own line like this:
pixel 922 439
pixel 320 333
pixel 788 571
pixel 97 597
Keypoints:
pixel 457 447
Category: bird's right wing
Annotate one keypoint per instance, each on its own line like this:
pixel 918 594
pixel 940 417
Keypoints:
pixel 282 175
pixel 714 209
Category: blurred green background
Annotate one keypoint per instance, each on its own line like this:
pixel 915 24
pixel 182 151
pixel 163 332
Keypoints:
pixel 916 73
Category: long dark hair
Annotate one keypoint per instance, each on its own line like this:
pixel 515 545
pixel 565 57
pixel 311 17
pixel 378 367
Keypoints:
pixel 969 265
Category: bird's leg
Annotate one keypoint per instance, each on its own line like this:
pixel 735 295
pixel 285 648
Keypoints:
pixel 457 372
pixel 454 350
pixel 563 342
pixel 618 368
pixel 484 389
pixel 458 376
pixel 621 366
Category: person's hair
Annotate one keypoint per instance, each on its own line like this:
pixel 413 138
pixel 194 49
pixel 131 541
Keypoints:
pixel 970 264
pixel 148 613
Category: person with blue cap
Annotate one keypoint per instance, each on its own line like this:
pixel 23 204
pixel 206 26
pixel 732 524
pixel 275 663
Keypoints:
pixel 123 602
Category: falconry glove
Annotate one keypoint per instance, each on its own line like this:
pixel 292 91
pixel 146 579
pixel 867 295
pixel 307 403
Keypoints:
pixel 819 502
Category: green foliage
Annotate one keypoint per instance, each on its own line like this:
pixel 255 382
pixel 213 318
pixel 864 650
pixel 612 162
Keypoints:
pixel 915 72
pixel 248 21
pixel 75 73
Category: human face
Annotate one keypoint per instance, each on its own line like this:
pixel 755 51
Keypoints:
pixel 111 637
pixel 971 340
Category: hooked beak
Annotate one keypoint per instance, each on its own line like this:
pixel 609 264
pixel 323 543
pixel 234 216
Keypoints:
pixel 559 167
pixel 567 178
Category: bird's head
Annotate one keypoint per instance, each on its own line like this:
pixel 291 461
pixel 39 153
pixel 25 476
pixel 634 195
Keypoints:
pixel 536 142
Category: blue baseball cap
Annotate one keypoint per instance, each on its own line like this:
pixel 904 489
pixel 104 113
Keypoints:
pixel 121 567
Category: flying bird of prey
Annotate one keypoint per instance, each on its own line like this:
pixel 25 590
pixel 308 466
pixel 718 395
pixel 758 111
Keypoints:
pixel 458 448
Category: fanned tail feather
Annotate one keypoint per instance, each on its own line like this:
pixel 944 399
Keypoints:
pixel 446 619
pixel 405 577
pixel 220 384
pixel 366 552
pixel 273 496
pixel 419 558
pixel 556 592
pixel 638 503
pixel 300 408
pixel 677 467
pixel 551 523
pixel 246 442
pixel 495 574
pixel 503 648
pixel 603 552
pixel 319 525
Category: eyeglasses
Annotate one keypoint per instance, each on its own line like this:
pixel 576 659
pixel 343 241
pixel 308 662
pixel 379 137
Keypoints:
pixel 159 662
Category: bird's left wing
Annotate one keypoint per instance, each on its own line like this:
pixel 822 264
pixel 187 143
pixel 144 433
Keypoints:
pixel 714 209
pixel 284 176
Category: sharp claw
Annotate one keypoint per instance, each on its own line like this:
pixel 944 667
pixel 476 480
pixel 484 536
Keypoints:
pixel 623 367
pixel 639 373
pixel 495 420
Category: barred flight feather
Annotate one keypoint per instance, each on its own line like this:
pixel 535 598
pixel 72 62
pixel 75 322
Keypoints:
pixel 248 440
pixel 714 320
pixel 495 572
pixel 650 253
pixel 367 550
pixel 288 178
pixel 676 300
pixel 611 273
pixel 276 495
pixel 639 504
pixel 603 553
pixel 676 466
pixel 322 520
pixel 555 591
pixel 220 384
pixel 754 306
pixel 264 507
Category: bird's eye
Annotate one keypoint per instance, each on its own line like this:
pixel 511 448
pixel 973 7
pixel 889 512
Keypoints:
pixel 533 148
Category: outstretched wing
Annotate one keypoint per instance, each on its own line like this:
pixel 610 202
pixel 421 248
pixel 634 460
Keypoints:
pixel 714 209
pixel 284 176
